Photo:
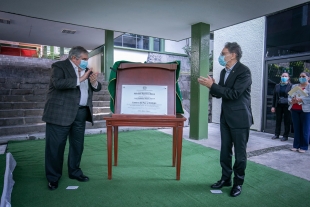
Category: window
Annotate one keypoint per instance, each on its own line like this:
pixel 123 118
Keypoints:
pixel 129 40
pixel 143 42
pixel 156 44
pixel 66 50
pixel 136 41
pixel 288 32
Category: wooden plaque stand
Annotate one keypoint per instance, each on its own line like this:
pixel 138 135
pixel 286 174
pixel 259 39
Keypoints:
pixel 146 74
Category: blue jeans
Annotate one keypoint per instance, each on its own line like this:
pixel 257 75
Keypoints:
pixel 301 123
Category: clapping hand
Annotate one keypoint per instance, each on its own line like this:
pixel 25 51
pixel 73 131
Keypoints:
pixel 206 81
pixel 86 75
pixel 93 78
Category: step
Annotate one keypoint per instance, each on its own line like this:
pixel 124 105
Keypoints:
pixel 105 97
pixel 13 121
pixel 101 92
pixel 101 103
pixel 40 105
pixel 97 110
pixel 97 124
pixel 20 113
pixel 22 129
pixel 40 127
pixel 41 135
pixel 22 98
pixel 11 83
pixel 21 105
pixel 100 116
pixel 36 97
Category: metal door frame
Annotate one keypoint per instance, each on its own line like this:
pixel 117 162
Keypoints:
pixel 268 61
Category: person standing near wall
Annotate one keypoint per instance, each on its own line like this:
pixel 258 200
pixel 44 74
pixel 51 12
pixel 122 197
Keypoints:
pixel 280 106
pixel 300 108
pixel 236 118
pixel 68 107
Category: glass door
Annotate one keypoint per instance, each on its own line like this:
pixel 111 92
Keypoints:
pixel 274 70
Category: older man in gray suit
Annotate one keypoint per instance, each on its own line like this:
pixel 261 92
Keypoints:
pixel 236 118
pixel 68 107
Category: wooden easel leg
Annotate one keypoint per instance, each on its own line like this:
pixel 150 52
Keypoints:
pixel 109 145
pixel 179 150
pixel 115 145
pixel 174 144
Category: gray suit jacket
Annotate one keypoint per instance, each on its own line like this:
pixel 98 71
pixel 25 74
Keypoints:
pixel 236 98
pixel 63 96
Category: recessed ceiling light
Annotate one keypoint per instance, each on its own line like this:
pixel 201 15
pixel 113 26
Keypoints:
pixel 68 31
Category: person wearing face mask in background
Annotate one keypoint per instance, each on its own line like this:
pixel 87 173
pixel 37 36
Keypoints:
pixel 236 117
pixel 67 108
pixel 280 107
pixel 300 108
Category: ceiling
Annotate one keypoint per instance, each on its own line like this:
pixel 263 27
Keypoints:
pixel 41 22
pixel 38 31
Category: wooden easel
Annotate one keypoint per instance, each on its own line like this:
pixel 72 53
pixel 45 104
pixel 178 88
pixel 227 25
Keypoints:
pixel 146 75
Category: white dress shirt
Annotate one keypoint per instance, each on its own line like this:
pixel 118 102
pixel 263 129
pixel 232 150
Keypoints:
pixel 228 70
pixel 83 85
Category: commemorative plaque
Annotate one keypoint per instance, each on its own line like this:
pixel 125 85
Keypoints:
pixel 144 95
pixel 144 99
pixel 145 89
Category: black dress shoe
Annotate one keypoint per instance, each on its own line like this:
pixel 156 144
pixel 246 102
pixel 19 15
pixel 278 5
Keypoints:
pixel 275 137
pixel 219 184
pixel 53 185
pixel 236 190
pixel 284 139
pixel 81 178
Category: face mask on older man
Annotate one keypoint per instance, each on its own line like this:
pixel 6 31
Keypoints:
pixel 83 64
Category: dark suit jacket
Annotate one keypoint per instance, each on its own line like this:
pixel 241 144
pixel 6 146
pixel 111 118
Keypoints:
pixel 276 93
pixel 63 96
pixel 236 99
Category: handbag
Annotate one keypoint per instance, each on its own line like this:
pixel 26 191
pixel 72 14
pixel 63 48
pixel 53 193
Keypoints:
pixel 283 100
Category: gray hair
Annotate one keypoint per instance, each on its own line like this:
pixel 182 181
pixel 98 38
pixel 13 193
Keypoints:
pixel 77 51
pixel 234 47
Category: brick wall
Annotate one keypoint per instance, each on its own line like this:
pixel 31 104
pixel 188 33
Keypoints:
pixel 30 75
pixel 23 87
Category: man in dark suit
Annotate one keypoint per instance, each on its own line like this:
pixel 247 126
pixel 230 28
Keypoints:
pixel 67 108
pixel 236 118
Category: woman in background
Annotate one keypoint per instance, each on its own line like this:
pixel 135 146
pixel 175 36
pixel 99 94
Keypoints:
pixel 300 108
pixel 280 106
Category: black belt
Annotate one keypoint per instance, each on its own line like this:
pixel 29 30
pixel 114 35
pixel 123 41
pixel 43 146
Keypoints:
pixel 82 107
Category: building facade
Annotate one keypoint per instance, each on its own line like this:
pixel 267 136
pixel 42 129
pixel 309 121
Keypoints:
pixel 271 45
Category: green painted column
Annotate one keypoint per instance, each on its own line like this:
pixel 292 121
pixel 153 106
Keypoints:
pixel 61 51
pixel 52 52
pixel 108 53
pixel 151 44
pixel 45 51
pixel 199 98
pixel 162 45
pixel 102 59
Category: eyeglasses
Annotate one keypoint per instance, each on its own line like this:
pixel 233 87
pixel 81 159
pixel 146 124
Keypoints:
pixel 223 54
